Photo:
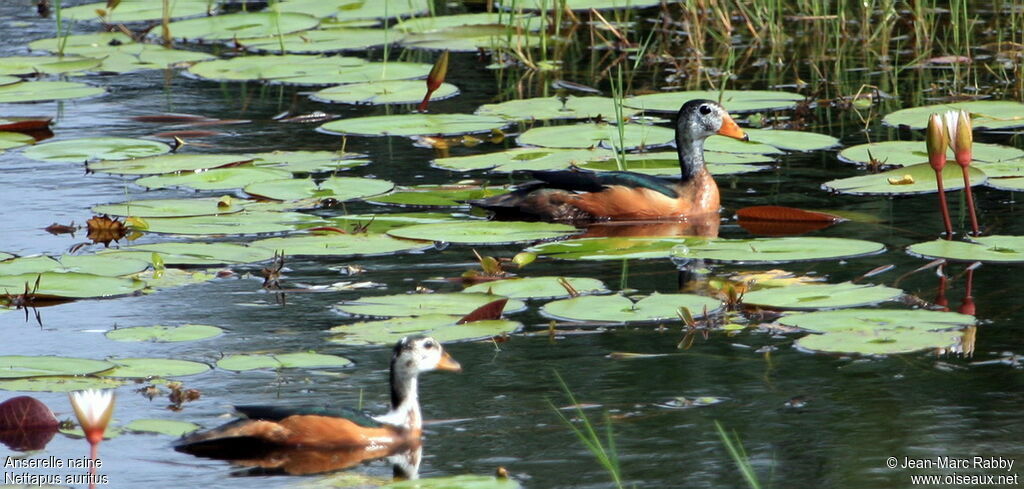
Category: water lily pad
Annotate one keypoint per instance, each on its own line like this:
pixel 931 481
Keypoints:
pixel 440 22
pixel 197 253
pixel 437 195
pixel 299 69
pixel 42 91
pixel 542 108
pixel 164 334
pixel 335 244
pixel 323 41
pixel 135 10
pixel 130 58
pixel 621 309
pixel 893 182
pixel 458 304
pixel 106 265
pixel 383 92
pixel 155 165
pixel 172 277
pixel 9 140
pixel 441 327
pixel 666 163
pixel 141 368
pixel 241 26
pixel 882 342
pixel 240 363
pixel 876 319
pixel 597 135
pixel 102 148
pixel 905 153
pixel 735 101
pixel 75 42
pixel 205 206
pixel 340 189
pixel 355 9
pixel 58 384
pixel 50 65
pixel 821 296
pixel 161 427
pixel 775 250
pixel 996 249
pixel 985 114
pixel 524 159
pixel 792 140
pixel 248 222
pixel 471 38
pixel 618 248
pixel 18 366
pixel 7 79
pixel 484 232
pixel 69 285
pixel 539 287
pixel 1015 184
pixel 466 481
pixel 307 161
pixel 215 179
pixel 414 125
pixel 380 223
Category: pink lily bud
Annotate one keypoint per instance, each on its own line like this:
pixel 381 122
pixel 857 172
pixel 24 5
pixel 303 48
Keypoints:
pixel 962 141
pixel 935 139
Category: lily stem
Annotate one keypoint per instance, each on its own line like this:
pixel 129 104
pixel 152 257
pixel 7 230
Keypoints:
pixel 970 203
pixel 943 207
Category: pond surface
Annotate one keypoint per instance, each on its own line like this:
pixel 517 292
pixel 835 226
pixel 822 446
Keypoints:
pixel 805 420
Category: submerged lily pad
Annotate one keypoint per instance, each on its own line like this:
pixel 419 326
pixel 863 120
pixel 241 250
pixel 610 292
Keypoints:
pixel 42 91
pixel 248 222
pixel 539 287
pixel 437 195
pixel 597 135
pixel 383 92
pixel 775 250
pixel 340 189
pixel 18 366
pixel 484 232
pixel 102 148
pixel 735 101
pixel 905 153
pixel 241 26
pixel 996 249
pixel 69 285
pixel 141 368
pixel 241 363
pixel 155 165
pixel 205 206
pixel 161 427
pixel 198 253
pixel 441 327
pixel 895 182
pixel 215 179
pixel 414 125
pixel 621 309
pixel 164 334
pixel 335 244
pixel 985 114
pixel 821 296
pixel 524 159
pixel 58 384
pixel 458 304
pixel 135 10
pixel 542 108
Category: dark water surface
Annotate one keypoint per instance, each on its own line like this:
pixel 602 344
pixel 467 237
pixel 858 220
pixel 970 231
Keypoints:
pixel 858 412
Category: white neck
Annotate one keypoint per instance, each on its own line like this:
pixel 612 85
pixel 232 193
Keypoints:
pixel 404 392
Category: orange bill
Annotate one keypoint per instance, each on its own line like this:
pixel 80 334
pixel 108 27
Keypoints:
pixel 448 363
pixel 731 129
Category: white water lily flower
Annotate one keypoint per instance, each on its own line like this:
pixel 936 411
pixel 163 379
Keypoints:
pixel 958 129
pixel 94 408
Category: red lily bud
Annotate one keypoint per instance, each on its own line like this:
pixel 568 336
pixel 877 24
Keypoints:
pixel 435 79
pixel 935 138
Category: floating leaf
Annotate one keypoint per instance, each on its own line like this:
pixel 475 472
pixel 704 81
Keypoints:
pixel 297 69
pixel 996 249
pixel 42 91
pixel 484 232
pixel 51 65
pixel 440 22
pixel 525 159
pixel 323 41
pixel 792 140
pixel 155 165
pixel 735 101
pixel 466 481
pixel 821 296
pixel 241 26
pixel 58 384
pixel 471 38
pixel 922 181
pixel 666 163
pixel 441 327
pixel 985 114
pixel 197 253
pixel 216 179
pixel 355 9
pixel 164 334
pixel 414 125
pixel 1015 184
pixel 172 277
pixel 621 309
pixel 876 319
pixel 543 108
pixel 539 287
pixel 135 10
pixel 9 140
pixel 597 135
pixel 905 153
pixel 69 285
pixel 340 189
pixel 458 304
pixel 102 148
pixel 240 363
pixel 18 366
pixel 75 42
pixel 380 223
pixel 775 250
pixel 141 368
pixel 383 92
pixel 883 342
pixel 307 161
pixel 437 195
pixel 110 266
pixel 334 244
pixel 617 248
pixel 248 222
pixel 161 427
pixel 206 206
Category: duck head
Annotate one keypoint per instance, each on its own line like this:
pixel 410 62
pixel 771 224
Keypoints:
pixel 698 120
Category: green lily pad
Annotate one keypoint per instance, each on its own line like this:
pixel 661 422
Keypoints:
pixel 380 223
pixel 821 296
pixel 18 366
pixel 437 195
pixel 877 331
pixel 197 253
pixel 69 285
pixel 440 22
pixel 484 232
pixel 7 79
pixel 458 304
pixel 340 189
pixel 5 256
pixel 355 9
pixel 883 342
pixel 110 266
pixel 1014 184
pixel 137 57
pixel 136 10
pixel 996 249
pixel 58 384
pixel 466 481
pixel 50 65
pixel 172 277
pixel 792 140
pixel 42 91
pixel 204 206
pixel 621 309
pixel 241 26
pixel 248 222
pixel 618 248
pixel 161 427
pixel 775 250
pixel 75 42
pixel 524 159
pixel 890 182
pixel 141 368
pixel 307 161
pixel 102 148
pixel 216 179
pixel 666 163
pixel 323 41
pixel 985 114
pixel 334 244
pixel 543 108
pixel 164 334
pixel 735 101
pixel 472 38
pixel 1001 169
pixel 297 69
pixel 597 135
pixel 155 165
pixel 383 92
pixel 9 140
pixel 414 125
pixel 240 363
pixel 905 153
pixel 441 327
pixel 539 287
